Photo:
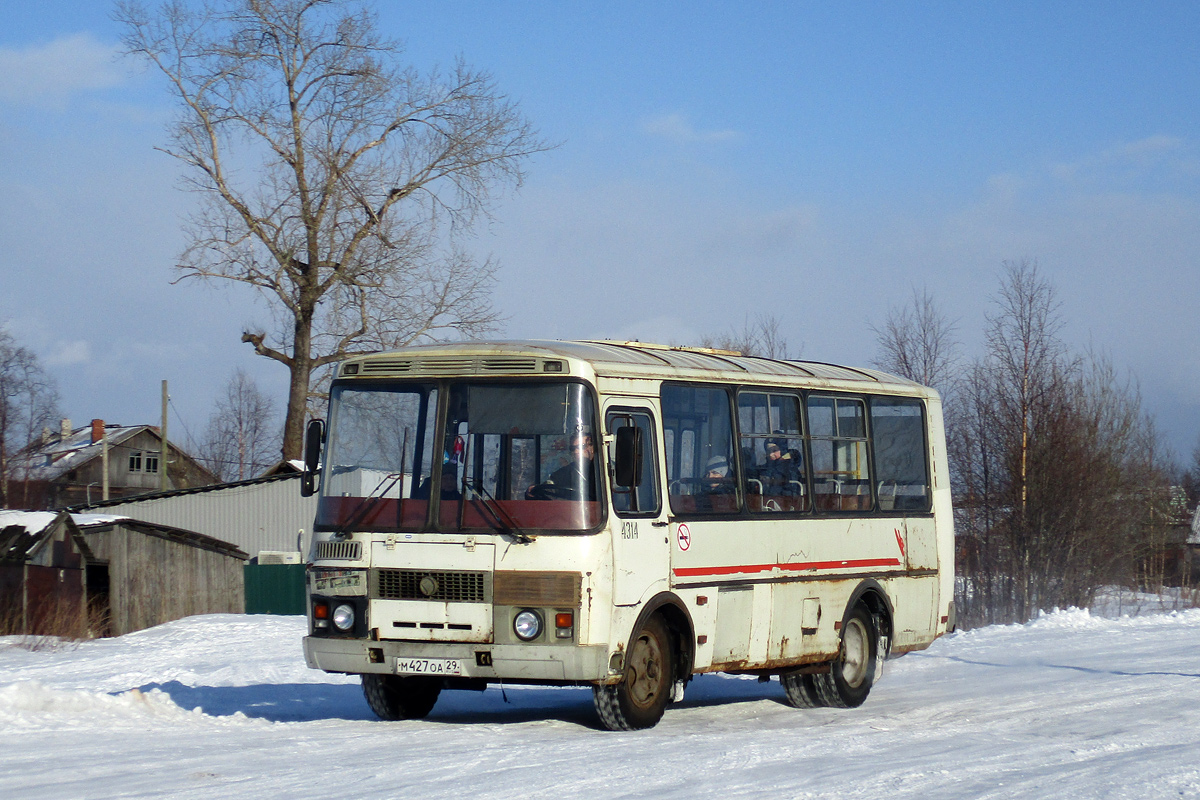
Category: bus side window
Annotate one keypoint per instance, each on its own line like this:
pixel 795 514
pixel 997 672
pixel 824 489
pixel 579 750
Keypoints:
pixel 774 474
pixel 838 440
pixel 644 498
pixel 698 430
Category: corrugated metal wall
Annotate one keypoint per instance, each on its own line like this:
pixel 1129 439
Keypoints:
pixel 258 516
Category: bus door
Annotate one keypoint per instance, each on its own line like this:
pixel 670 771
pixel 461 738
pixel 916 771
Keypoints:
pixel 641 552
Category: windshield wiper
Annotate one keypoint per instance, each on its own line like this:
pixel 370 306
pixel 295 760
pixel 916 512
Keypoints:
pixel 503 519
pixel 372 499
pixel 369 502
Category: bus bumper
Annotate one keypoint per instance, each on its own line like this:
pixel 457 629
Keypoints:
pixel 513 662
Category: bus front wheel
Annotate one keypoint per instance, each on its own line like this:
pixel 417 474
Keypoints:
pixel 852 673
pixel 393 697
pixel 639 700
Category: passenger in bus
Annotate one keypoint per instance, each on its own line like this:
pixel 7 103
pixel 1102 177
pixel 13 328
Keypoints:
pixel 781 471
pixel 716 487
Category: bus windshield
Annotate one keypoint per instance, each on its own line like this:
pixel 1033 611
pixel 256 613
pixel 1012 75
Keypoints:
pixel 514 457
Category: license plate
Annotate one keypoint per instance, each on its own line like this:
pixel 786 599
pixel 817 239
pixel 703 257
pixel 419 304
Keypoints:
pixel 428 666
pixel 330 582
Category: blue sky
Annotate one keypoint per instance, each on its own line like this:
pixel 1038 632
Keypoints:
pixel 811 161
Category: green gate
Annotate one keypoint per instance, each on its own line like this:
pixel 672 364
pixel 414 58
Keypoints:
pixel 274 588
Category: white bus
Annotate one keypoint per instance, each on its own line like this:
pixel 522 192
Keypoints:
pixel 625 516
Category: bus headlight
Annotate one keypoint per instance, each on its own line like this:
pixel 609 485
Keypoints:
pixel 527 625
pixel 343 617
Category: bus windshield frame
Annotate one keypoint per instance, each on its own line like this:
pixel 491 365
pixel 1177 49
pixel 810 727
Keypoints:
pixel 514 456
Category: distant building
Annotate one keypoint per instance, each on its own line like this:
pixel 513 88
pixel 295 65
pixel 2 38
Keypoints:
pixel 1192 566
pixel 66 468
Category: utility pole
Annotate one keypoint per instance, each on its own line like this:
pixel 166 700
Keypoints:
pixel 162 458
pixel 104 465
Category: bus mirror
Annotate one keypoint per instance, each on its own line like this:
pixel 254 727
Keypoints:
pixel 628 467
pixel 312 456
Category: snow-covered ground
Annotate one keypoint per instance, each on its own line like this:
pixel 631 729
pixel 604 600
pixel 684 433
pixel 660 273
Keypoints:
pixel 1071 705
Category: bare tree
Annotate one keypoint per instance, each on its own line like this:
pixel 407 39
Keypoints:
pixel 243 434
pixel 336 182
pixel 1024 353
pixel 1010 392
pixel 28 402
pixel 918 342
pixel 1058 473
pixel 1189 478
pixel 760 337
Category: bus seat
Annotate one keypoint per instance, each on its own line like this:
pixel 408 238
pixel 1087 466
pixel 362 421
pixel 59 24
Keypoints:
pixel 887 495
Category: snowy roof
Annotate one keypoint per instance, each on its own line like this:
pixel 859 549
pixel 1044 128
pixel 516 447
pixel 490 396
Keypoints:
pixel 290 466
pixel 31 521
pixel 21 531
pixel 38 521
pixel 50 461
pixel 88 520
pixel 24 533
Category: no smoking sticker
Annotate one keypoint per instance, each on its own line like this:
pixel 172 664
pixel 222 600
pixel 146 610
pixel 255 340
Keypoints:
pixel 683 536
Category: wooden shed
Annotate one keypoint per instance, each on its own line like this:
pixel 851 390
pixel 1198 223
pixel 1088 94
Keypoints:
pixel 43 576
pixel 148 573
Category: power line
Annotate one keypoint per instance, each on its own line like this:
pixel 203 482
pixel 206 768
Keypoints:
pixel 191 440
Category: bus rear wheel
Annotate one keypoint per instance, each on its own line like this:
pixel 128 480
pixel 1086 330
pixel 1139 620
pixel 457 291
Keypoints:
pixel 639 700
pixel 852 673
pixel 394 697
pixel 801 690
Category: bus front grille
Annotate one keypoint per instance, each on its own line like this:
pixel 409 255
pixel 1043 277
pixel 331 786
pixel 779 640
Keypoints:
pixel 443 586
pixel 342 551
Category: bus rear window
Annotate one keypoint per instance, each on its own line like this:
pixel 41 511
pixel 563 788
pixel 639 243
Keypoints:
pixel 898 432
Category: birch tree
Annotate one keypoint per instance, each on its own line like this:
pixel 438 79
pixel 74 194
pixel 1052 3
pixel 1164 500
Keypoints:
pixel 28 402
pixel 917 341
pixel 243 431
pixel 1059 477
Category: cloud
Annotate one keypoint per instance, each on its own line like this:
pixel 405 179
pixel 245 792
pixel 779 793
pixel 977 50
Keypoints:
pixel 1148 160
pixel 679 129
pixel 48 75
pixel 68 354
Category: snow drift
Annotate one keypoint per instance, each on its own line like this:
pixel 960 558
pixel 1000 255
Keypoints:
pixel 1071 705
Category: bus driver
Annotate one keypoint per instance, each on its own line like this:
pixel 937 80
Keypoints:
pixel 574 479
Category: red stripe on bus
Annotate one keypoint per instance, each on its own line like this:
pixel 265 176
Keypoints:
pixel 691 572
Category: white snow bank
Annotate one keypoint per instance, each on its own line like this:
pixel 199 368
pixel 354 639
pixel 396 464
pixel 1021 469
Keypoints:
pixel 1071 705
pixel 30 704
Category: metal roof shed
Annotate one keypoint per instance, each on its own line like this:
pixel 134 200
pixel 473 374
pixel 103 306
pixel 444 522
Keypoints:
pixel 43 581
pixel 151 573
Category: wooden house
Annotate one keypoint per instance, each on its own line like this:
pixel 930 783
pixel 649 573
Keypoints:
pixel 68 468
